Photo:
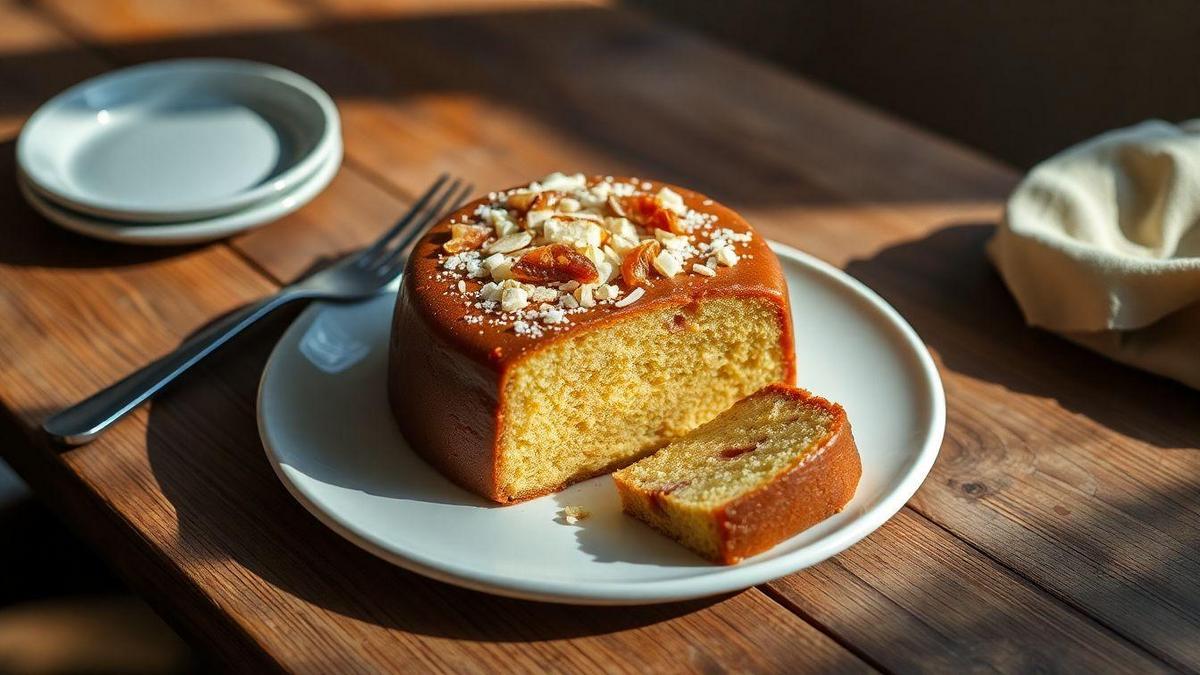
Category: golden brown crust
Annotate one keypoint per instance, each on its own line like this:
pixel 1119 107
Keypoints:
pixel 816 487
pixel 457 440
pixel 437 358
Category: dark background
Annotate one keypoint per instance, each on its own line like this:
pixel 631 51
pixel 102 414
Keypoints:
pixel 1018 80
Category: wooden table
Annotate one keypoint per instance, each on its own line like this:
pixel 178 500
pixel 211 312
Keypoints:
pixel 1059 530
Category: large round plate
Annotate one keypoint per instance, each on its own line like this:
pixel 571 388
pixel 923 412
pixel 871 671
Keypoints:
pixel 192 231
pixel 328 432
pixel 178 140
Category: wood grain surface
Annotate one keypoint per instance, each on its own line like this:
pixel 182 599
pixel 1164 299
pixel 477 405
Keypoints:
pixel 1058 531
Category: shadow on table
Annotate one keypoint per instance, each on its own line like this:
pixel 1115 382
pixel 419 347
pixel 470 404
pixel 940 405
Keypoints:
pixel 947 289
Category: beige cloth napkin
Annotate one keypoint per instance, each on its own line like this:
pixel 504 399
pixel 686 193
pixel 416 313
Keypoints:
pixel 1101 243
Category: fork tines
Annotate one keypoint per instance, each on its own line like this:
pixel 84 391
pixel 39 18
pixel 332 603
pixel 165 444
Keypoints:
pixel 436 203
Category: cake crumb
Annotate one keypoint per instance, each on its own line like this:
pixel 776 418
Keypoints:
pixel 573 514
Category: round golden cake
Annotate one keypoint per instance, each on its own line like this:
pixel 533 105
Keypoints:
pixel 555 331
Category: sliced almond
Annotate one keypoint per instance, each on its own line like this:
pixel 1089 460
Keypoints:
pixel 510 243
pixel 615 206
pixel 633 297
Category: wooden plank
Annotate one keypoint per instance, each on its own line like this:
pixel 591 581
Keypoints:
pixel 809 167
pixel 923 601
pixel 1080 474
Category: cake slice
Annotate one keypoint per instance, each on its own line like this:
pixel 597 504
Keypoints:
pixel 775 463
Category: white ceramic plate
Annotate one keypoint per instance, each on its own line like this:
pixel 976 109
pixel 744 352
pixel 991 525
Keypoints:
pixel 196 231
pixel 178 140
pixel 327 429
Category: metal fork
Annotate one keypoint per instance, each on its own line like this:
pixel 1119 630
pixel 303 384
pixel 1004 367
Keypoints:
pixel 356 277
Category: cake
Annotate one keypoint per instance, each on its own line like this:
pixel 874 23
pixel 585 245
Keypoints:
pixel 773 464
pixel 560 330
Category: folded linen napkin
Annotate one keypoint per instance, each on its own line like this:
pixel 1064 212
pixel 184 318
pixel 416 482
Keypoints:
pixel 1101 243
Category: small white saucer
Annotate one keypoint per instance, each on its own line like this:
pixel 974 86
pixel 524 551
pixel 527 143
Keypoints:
pixel 178 140
pixel 324 419
pixel 195 231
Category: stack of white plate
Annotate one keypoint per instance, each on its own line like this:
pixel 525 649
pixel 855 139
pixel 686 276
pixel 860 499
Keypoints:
pixel 179 152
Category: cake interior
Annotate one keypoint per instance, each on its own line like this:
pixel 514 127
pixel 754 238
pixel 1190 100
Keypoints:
pixel 596 401
pixel 741 450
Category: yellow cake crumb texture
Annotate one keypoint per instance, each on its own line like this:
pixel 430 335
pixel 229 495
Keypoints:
pixel 591 403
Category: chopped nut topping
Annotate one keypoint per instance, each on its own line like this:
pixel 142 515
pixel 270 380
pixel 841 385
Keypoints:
pixel 572 231
pixel 563 247
pixel 503 271
pixel 584 295
pixel 534 219
pixel 726 256
pixel 667 264
pixel 514 299
pixel 607 292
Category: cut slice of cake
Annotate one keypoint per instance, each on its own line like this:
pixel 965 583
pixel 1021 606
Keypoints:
pixel 552 332
pixel 775 463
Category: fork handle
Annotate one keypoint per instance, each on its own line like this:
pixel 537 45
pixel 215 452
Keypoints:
pixel 87 419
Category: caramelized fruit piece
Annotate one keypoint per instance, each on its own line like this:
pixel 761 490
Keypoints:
pixel 465 237
pixel 635 268
pixel 650 213
pixel 738 451
pixel 554 262
pixel 545 200
pixel 656 496
pixel 533 201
